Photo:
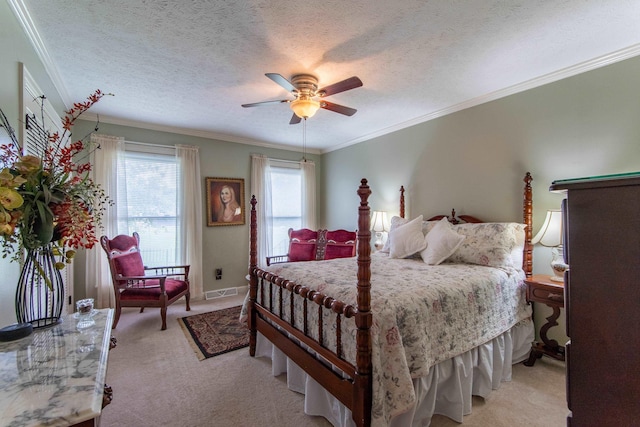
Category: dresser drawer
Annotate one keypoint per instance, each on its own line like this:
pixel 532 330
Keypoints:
pixel 549 294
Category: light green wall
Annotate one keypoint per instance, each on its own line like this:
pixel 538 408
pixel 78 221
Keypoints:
pixel 474 160
pixel 223 247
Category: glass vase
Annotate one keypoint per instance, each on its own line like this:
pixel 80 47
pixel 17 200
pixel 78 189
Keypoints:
pixel 40 292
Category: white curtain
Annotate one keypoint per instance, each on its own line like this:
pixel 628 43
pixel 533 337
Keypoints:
pixel 261 189
pixel 190 214
pixel 106 162
pixel 308 194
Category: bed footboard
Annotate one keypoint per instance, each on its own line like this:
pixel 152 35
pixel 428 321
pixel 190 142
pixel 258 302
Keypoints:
pixel 273 314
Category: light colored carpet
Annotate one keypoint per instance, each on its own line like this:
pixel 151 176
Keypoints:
pixel 157 380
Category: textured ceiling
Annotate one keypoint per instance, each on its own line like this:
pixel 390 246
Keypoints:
pixel 187 66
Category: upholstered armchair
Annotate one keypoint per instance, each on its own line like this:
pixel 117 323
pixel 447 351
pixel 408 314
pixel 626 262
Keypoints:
pixel 138 286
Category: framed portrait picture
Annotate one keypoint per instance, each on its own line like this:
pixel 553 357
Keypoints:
pixel 225 201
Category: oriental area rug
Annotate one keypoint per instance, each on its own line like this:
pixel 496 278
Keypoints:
pixel 215 332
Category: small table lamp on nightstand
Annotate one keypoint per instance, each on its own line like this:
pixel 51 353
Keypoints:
pixel 379 226
pixel 550 235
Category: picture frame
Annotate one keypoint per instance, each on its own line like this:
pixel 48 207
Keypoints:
pixel 225 201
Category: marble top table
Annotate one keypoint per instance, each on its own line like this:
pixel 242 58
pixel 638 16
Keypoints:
pixel 55 376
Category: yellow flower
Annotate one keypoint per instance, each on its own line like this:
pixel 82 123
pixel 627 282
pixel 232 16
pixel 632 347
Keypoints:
pixel 7 223
pixel 10 198
pixel 8 180
pixel 28 164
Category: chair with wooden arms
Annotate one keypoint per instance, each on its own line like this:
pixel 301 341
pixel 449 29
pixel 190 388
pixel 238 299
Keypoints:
pixel 131 284
pixel 317 245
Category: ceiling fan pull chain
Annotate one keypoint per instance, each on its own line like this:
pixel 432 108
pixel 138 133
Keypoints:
pixel 304 140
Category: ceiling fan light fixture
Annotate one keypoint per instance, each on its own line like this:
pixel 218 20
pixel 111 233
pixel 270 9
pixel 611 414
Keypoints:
pixel 305 107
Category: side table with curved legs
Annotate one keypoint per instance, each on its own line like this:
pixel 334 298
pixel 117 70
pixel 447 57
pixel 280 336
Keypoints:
pixel 540 288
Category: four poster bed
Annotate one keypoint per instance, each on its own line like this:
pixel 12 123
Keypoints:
pixel 411 339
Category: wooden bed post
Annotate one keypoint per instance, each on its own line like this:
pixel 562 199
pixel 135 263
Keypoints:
pixel 362 391
pixel 253 279
pixel 402 201
pixel 527 212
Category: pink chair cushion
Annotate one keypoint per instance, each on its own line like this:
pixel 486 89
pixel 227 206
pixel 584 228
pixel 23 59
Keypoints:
pixel 341 236
pixel 304 234
pixel 129 264
pixel 302 244
pixel 332 251
pixel 173 287
pixel 340 244
pixel 302 251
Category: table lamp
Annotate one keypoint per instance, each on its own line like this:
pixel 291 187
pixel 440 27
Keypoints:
pixel 550 235
pixel 379 226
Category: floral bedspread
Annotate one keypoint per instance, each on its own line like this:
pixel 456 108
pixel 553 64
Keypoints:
pixel 422 315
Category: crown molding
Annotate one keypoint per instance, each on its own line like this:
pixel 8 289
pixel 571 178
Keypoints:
pixel 564 73
pixel 24 18
pixel 192 132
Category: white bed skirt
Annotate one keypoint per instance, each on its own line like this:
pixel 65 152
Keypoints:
pixel 447 390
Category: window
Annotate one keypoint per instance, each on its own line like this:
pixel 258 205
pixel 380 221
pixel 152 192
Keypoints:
pixel 286 204
pixel 147 202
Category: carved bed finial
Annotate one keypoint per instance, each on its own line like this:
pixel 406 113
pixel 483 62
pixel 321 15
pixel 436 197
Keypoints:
pixel 527 214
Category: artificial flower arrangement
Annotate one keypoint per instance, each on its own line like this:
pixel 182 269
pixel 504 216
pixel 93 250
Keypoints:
pixel 50 199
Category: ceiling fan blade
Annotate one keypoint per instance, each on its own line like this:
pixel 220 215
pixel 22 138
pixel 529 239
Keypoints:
pixel 350 83
pixel 281 81
pixel 347 111
pixel 257 104
pixel 295 120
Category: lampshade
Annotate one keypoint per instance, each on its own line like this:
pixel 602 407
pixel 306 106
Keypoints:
pixel 379 221
pixel 550 234
pixel 304 107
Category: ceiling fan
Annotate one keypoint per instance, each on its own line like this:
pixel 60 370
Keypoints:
pixel 308 98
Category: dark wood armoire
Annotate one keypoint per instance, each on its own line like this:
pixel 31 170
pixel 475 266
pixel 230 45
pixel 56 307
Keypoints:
pixel 602 299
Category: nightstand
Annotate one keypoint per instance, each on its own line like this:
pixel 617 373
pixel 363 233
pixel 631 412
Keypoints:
pixel 540 288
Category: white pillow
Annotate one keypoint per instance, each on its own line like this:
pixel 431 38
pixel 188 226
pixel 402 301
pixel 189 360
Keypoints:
pixel 442 242
pixel 406 239
pixel 396 222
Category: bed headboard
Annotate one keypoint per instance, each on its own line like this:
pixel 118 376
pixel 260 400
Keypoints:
pixel 527 218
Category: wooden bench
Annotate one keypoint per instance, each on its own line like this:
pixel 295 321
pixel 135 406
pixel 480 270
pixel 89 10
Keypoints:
pixel 317 245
